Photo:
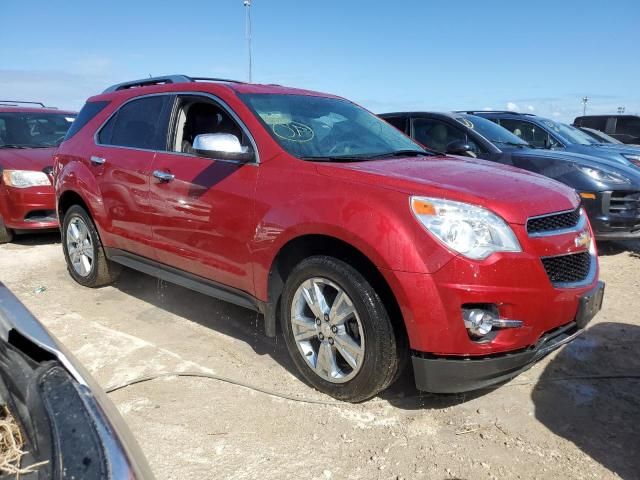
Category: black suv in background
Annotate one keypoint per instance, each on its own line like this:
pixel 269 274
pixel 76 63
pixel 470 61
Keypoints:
pixel 610 191
pixel 545 133
pixel 625 128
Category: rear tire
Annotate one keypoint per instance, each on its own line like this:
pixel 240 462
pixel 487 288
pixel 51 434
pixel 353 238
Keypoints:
pixel 86 260
pixel 344 343
pixel 6 234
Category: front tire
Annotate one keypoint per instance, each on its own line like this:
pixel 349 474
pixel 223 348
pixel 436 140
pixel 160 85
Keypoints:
pixel 337 330
pixel 86 260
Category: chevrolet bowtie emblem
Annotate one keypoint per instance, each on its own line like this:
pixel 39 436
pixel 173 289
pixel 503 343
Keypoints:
pixel 583 240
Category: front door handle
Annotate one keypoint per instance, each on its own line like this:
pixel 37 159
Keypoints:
pixel 163 176
pixel 97 160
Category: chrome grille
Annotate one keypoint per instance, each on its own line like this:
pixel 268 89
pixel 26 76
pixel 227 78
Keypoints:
pixel 553 222
pixel 624 203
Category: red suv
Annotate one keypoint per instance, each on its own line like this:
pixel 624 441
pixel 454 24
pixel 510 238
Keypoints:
pixel 363 248
pixel 29 135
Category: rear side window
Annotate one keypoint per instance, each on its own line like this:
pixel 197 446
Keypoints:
pixel 140 123
pixel 598 123
pixel 90 110
pixel 628 126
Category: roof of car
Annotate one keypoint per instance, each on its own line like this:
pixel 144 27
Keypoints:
pixel 450 115
pixel 4 109
pixel 174 83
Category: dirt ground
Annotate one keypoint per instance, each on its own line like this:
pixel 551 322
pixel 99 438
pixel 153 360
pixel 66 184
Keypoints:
pixel 541 425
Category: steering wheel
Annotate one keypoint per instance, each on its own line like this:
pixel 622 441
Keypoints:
pixel 343 145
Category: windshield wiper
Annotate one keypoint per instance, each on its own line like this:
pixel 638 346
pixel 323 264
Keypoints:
pixel 335 158
pixel 9 145
pixel 513 144
pixel 403 153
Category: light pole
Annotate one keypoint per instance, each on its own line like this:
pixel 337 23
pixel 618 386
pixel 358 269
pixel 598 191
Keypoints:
pixel 247 4
pixel 585 99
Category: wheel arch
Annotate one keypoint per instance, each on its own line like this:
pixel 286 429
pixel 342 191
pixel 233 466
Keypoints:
pixel 304 246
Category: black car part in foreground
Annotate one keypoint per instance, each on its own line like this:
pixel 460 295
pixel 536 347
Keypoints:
pixel 69 427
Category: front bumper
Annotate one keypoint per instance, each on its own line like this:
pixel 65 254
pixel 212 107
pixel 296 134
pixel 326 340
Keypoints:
pixel 614 215
pixel 28 208
pixel 455 374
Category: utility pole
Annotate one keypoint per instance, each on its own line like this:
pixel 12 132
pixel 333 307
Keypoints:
pixel 585 99
pixel 247 4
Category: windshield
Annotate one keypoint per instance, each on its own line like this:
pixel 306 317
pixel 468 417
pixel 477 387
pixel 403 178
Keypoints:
pixel 600 137
pixel 33 130
pixel 491 130
pixel 568 133
pixel 311 127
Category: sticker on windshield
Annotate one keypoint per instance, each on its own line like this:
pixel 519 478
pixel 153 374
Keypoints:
pixel 294 131
pixel 466 122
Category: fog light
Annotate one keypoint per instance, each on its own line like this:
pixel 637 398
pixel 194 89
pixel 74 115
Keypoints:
pixel 478 321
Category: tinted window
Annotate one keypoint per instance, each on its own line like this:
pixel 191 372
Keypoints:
pixel 628 126
pixel 599 123
pixel 437 135
pixel 399 122
pixel 529 132
pixel 33 130
pixel 90 110
pixel 141 123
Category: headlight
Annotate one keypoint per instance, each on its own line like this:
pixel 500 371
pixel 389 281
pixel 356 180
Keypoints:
pixel 602 176
pixel 635 159
pixel 473 231
pixel 24 178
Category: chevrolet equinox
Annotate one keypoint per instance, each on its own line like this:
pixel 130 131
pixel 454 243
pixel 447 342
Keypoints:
pixel 364 249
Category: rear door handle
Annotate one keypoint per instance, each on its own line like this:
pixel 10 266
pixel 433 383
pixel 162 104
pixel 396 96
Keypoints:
pixel 163 176
pixel 97 160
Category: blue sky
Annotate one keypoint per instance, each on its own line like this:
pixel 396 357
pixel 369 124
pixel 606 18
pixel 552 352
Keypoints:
pixel 539 56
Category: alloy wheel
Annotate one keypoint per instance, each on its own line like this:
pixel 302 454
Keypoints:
pixel 80 247
pixel 327 330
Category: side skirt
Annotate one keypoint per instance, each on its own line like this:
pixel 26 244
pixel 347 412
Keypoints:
pixel 185 279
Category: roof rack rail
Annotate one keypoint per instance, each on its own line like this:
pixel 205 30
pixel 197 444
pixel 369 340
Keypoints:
pixel 213 79
pixel 14 103
pixel 471 112
pixel 145 82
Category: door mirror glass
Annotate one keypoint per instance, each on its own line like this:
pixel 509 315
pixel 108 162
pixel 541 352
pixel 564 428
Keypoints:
pixel 225 146
pixel 460 147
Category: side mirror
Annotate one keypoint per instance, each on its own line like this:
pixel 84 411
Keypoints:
pixel 224 146
pixel 460 147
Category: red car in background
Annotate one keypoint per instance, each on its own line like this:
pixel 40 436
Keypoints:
pixel 29 134
pixel 364 249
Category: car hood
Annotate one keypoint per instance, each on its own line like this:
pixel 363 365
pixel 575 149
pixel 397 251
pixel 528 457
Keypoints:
pixel 613 147
pixel 512 193
pixel 623 168
pixel 26 158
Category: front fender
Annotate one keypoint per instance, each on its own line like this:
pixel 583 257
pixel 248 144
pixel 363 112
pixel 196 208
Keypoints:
pixel 375 221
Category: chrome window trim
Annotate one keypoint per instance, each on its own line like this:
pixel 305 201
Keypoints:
pixel 215 98
pixel 582 223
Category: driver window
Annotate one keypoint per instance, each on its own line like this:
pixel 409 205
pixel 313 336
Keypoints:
pixel 198 116
pixel 437 135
